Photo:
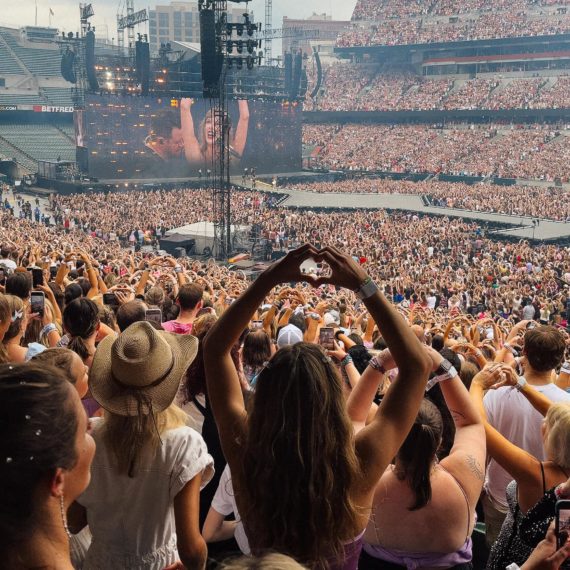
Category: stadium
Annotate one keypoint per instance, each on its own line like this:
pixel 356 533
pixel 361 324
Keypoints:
pixel 310 312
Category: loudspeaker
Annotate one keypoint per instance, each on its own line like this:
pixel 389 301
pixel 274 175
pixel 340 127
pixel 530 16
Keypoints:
pixel 297 69
pixel 67 62
pixel 288 60
pixel 212 59
pixel 82 158
pixel 319 83
pixel 142 65
pixel 90 61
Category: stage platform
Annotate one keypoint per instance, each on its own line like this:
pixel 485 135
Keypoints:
pixel 201 237
pixel 512 227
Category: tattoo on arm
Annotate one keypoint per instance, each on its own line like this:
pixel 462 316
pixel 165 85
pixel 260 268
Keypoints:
pixel 475 467
pixel 457 416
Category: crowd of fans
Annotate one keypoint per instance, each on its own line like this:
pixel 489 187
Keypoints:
pixel 402 23
pixel 538 152
pixel 333 406
pixel 363 87
pixel 531 201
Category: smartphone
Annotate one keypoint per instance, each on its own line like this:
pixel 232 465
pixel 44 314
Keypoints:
pixel 38 302
pixel 53 272
pixel 562 511
pixel 255 325
pixel 326 338
pixel 110 299
pixel 37 276
pixel 153 315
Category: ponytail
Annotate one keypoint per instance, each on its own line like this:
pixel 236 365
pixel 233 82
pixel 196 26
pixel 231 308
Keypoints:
pixel 418 452
pixel 78 345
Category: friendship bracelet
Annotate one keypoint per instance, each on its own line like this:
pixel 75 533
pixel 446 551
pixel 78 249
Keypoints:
pixel 346 361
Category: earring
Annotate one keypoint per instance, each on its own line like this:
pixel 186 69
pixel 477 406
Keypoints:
pixel 63 516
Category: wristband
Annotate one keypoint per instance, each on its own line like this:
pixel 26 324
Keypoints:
pixel 367 289
pixel 521 383
pixel 451 373
pixel 346 360
pixel 377 365
pixel 49 328
pixel 512 350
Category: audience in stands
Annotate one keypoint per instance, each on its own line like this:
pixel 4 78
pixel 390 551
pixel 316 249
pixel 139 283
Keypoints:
pixel 442 284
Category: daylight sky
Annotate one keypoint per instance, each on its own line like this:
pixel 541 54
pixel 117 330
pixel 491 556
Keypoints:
pixel 66 12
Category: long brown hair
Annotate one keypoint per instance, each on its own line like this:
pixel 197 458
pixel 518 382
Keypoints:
pixel 299 459
pixel 418 452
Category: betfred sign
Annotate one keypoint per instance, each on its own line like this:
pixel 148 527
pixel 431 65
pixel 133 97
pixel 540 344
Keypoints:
pixel 52 109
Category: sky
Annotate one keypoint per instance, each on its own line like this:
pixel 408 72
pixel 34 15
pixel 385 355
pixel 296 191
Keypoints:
pixel 66 12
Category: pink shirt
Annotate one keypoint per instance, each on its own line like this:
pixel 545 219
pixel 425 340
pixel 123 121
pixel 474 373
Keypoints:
pixel 176 327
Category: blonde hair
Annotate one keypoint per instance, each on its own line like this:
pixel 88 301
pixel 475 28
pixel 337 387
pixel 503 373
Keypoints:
pixel 132 439
pixel 266 562
pixel 558 440
pixel 16 305
pixel 5 315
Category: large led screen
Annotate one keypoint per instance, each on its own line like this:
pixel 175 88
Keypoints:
pixel 142 137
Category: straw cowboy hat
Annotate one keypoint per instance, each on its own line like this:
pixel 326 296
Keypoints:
pixel 140 369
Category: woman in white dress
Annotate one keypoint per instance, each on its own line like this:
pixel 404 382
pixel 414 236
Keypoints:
pixel 142 503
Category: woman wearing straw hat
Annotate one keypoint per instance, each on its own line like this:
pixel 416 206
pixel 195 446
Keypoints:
pixel 142 503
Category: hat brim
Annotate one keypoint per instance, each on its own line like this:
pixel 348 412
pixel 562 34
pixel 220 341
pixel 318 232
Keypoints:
pixel 119 400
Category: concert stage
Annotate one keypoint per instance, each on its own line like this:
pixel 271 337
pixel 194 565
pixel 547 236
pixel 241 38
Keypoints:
pixel 199 238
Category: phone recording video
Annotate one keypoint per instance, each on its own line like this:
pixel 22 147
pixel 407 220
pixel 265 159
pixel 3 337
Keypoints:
pixel 110 299
pixel 326 338
pixel 37 276
pixel 563 527
pixel 153 316
pixel 38 302
pixel 256 325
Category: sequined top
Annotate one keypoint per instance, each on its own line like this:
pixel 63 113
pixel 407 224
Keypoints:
pixel 509 547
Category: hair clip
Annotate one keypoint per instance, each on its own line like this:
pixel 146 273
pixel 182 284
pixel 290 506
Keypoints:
pixel 17 315
pixel 327 360
pixel 267 364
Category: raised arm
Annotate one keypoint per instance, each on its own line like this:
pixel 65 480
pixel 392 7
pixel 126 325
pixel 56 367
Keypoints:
pixel 191 144
pixel 466 461
pixel 222 379
pixel 378 443
pixel 520 464
pixel 240 139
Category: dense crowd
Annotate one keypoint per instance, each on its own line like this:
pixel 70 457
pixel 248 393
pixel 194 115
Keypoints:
pixel 334 406
pixel 402 23
pixel 538 152
pixel 364 87
pixel 530 201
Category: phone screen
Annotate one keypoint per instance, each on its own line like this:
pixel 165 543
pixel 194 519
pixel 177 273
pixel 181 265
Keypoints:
pixel 326 338
pixel 38 303
pixel 37 277
pixel 153 315
pixel 563 526
pixel 110 299
pixel 256 325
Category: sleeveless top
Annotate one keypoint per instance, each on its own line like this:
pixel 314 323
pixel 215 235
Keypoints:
pixel 520 533
pixel 413 560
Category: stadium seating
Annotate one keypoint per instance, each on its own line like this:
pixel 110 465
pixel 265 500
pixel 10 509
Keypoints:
pixel 39 141
pixel 39 61
pixel 8 65
pixel 58 95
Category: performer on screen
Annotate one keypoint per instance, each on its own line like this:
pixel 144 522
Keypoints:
pixel 203 148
